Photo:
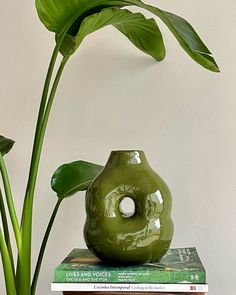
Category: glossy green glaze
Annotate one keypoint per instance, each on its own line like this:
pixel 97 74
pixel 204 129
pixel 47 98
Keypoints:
pixel 114 237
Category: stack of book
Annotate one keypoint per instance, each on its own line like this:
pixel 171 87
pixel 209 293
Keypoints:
pixel 180 270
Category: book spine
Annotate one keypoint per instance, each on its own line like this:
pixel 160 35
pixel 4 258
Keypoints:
pixel 191 288
pixel 107 276
pixel 132 293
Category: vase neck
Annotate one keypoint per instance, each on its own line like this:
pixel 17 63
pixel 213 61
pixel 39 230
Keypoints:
pixel 127 157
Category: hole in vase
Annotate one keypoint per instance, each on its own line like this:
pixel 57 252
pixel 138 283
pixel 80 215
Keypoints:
pixel 127 207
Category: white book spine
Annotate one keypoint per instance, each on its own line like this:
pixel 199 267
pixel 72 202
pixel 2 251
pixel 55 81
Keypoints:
pixel 129 287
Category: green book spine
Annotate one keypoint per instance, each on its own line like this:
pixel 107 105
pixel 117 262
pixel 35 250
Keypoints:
pixel 180 265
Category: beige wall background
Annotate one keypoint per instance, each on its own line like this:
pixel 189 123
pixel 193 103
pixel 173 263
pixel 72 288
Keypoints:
pixel 114 97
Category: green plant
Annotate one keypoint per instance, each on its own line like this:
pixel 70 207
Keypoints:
pixel 72 21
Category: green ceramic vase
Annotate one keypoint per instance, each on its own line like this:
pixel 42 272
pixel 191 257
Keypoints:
pixel 114 236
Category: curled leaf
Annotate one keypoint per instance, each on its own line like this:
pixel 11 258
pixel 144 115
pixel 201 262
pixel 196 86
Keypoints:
pixel 73 177
pixel 185 34
pixel 143 33
pixel 5 145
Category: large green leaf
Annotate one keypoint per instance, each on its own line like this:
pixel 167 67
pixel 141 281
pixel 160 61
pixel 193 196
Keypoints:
pixel 73 177
pixel 143 33
pixel 186 36
pixel 5 145
pixel 64 17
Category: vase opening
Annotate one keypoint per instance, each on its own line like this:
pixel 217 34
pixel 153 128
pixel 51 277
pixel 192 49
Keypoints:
pixel 130 157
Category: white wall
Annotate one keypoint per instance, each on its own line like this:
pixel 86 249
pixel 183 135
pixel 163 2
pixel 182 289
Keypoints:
pixel 114 97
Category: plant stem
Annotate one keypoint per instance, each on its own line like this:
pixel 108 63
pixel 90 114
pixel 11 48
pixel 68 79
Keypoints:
pixel 10 202
pixel 24 257
pixel 37 132
pixel 41 111
pixel 5 229
pixel 43 246
pixel 28 206
pixel 7 267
